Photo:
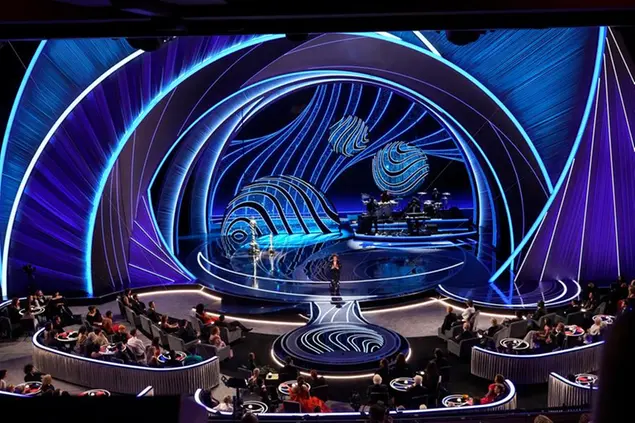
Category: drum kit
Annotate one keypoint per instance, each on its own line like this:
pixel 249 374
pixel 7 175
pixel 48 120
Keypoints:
pixel 433 207
pixel 430 207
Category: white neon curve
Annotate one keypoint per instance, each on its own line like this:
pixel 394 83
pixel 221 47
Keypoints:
pixel 427 43
pixel 619 90
pixel 38 153
pixel 555 227
pixel 150 272
pixel 608 123
pixel 588 183
pixel 628 69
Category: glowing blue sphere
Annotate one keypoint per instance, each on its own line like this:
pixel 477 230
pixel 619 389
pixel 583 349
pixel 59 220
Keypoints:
pixel 400 168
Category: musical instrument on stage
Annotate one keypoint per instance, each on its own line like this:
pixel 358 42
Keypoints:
pixel 386 208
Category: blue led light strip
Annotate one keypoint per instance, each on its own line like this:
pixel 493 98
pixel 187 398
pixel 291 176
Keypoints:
pixel 585 117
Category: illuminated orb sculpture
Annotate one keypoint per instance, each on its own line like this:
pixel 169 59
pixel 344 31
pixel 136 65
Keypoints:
pixel 400 168
pixel 349 136
pixel 280 205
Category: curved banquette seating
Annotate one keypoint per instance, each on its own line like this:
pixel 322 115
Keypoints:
pixel 535 368
pixel 565 393
pixel 508 402
pixel 122 378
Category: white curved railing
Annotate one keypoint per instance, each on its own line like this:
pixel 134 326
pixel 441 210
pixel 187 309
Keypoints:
pixel 122 378
pixel 509 402
pixel 535 368
pixel 565 393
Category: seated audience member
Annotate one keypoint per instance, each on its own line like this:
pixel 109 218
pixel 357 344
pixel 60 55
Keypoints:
pixel 225 405
pixel 431 379
pixel 376 388
pixel 574 307
pixel 56 306
pixel 100 338
pixel 166 326
pixel 153 360
pixel 47 384
pixel 121 335
pixel 107 324
pixel 94 316
pixel 384 369
pixel 289 371
pixel 122 353
pixel 518 316
pixel 136 346
pixel 31 375
pixel 315 380
pixel 51 339
pixel 596 331
pixel 186 332
pixel 82 338
pixel 14 311
pixel 590 303
pixel 469 310
pixel 3 382
pixel 378 414
pixel 91 350
pixel 540 312
pixel 57 324
pixel 137 305
pixel 493 394
pixel 300 392
pixel 254 380
pixel 449 319
pixel 558 337
pixel 495 327
pixel 537 338
pixel 207 319
pixel 28 316
pixel 498 379
pixel 151 313
pixel 126 297
pixel 39 299
pixel 417 389
pixel 251 361
pixel 541 418
pixel 216 340
pixel 192 359
pixel 401 368
pixel 466 333
pixel 153 349
pixel 439 359
pixel 233 325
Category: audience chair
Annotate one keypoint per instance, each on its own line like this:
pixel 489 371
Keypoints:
pixel 208 351
pixel 230 336
pixel 146 325
pixel 158 332
pixel 518 329
pixel 122 309
pixel 575 319
pixel 177 344
pixel 462 349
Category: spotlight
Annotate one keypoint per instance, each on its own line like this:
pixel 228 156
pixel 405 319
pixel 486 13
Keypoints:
pixel 297 37
pixel 148 44
pixel 461 38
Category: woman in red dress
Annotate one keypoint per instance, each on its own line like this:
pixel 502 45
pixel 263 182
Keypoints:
pixel 308 404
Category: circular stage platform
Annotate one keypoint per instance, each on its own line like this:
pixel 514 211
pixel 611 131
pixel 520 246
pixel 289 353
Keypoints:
pixel 338 341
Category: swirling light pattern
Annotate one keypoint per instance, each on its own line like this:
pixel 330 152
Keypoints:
pixel 349 136
pixel 400 168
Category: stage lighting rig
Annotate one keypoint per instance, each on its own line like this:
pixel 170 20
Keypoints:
pixel 461 38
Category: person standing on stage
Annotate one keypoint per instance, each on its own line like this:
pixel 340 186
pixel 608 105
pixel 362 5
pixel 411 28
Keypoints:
pixel 371 209
pixel 436 196
pixel 336 268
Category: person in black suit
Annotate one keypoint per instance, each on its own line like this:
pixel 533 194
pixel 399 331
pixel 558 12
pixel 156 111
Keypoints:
pixel 30 375
pixel 574 307
pixel 558 337
pixel 466 333
pixel 316 380
pixel 122 354
pixel 57 324
pixel 137 305
pixel 416 390
pixel 384 370
pixel 495 327
pixel 401 368
pixel 151 313
pixel 377 388
pixel 449 319
pixel 186 332
pixel 439 359
pixel 289 371
pixel 233 325
pixel 14 311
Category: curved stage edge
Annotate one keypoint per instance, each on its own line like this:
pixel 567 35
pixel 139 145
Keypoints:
pixel 509 402
pixel 564 393
pixel 122 378
pixel 535 368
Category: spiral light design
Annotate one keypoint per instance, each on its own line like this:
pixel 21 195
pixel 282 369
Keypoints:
pixel 400 168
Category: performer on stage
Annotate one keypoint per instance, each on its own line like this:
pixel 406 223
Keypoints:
pixel 436 195
pixel 385 197
pixel 371 209
pixel 336 268
pixel 414 206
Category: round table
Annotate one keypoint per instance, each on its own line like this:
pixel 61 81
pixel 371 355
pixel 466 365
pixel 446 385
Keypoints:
pixel 402 384
pixel 586 379
pixel 95 393
pixel 110 349
pixel 32 388
pixel 163 358
pixel 573 330
pixel 36 311
pixel 69 337
pixel 514 344
pixel 255 407
pixel 457 400
pixel 285 387
pixel 606 318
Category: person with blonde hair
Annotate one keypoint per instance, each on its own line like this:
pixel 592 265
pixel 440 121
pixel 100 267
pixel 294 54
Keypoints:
pixel 541 418
pixel 225 405
pixel 47 383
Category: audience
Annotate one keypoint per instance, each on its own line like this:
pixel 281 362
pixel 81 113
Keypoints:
pixel 100 338
pixel 233 325
pixel 289 371
pixel 449 319
pixel 107 324
pixel 152 314
pixel 93 317
pixel 3 382
pixel 493 394
pixel 401 368
pixel 466 333
pixel 30 375
pixel 137 305
pixel 574 307
pixel 377 388
pixel 495 327
pixel 225 405
pixel 384 370
pixel 186 332
pixel 121 335
pixel 469 310
pixel 439 359
pixel 540 312
pixel 82 338
pixel 136 346
pixel 316 380
pixel 14 311
pixel 47 384
pixel 168 327
pixel 153 351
